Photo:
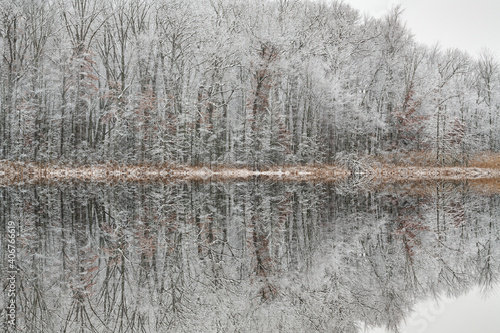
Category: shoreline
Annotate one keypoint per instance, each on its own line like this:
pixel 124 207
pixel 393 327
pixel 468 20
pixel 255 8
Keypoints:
pixel 14 173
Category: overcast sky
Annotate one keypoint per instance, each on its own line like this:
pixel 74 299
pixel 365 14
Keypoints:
pixel 469 25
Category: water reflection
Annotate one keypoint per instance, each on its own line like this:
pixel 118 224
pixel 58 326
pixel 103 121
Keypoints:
pixel 474 311
pixel 243 257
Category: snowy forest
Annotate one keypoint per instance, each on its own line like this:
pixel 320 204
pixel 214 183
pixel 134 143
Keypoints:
pixel 244 256
pixel 233 82
pixel 221 166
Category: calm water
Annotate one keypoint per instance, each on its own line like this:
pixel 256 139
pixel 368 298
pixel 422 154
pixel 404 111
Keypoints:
pixel 244 257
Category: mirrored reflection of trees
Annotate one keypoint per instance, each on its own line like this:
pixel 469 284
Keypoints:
pixel 245 257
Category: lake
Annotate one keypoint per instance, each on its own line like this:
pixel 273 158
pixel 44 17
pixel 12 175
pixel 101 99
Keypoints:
pixel 248 256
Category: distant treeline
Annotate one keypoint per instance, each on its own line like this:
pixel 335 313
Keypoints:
pixel 232 82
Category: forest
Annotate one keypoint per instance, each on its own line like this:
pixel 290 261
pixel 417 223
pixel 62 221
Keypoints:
pixel 232 82
pixel 239 166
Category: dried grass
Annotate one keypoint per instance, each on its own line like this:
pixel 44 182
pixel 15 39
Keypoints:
pixel 484 167
pixel 414 159
pixel 18 173
pixel 431 173
pixel 486 160
pixel 428 159
pixel 282 173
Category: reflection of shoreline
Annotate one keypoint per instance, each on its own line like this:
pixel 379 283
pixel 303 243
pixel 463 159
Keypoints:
pixel 15 173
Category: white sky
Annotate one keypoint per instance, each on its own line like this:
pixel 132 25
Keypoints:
pixel 469 25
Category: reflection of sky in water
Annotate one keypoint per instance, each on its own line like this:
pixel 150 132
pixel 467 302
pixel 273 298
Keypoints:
pixel 473 312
